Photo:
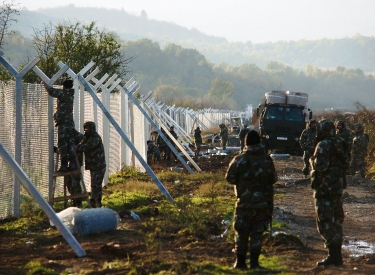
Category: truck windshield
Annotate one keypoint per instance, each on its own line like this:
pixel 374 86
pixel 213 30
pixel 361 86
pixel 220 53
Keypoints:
pixel 284 113
pixel 274 113
pixel 293 114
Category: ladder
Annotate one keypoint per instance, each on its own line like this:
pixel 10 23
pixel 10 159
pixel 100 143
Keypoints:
pixel 66 197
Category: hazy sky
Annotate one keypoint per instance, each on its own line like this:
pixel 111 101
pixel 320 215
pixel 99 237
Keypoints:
pixel 248 20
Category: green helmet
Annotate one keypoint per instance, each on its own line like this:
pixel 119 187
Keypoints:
pixel 359 128
pixel 312 121
pixel 325 128
pixel 90 124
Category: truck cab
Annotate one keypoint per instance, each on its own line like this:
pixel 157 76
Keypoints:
pixel 280 123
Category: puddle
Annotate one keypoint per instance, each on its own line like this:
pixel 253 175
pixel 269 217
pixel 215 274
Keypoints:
pixel 359 248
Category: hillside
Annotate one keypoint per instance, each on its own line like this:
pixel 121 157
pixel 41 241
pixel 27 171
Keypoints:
pixel 355 52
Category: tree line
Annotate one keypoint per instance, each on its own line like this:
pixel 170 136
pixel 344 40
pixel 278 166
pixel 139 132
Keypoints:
pixel 183 76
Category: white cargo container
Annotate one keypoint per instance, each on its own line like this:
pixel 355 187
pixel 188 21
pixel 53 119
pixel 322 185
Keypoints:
pixel 275 97
pixel 296 98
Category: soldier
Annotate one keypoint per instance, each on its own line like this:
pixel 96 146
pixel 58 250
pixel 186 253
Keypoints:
pixel 346 137
pixel 73 182
pixel 223 135
pixel 153 152
pixel 242 135
pixel 328 163
pixel 93 148
pixel 63 118
pixel 307 143
pixel 253 174
pixel 359 151
pixel 197 141
pixel 162 145
pixel 173 133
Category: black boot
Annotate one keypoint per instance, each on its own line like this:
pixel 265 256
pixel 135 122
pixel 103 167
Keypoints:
pixel 92 203
pixel 64 165
pixel 98 202
pixel 240 262
pixel 334 256
pixel 254 260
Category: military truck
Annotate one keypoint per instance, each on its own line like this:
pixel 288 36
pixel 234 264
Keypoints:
pixel 280 119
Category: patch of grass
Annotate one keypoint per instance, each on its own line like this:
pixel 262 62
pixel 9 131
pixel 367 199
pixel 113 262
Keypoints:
pixel 34 267
pixel 279 225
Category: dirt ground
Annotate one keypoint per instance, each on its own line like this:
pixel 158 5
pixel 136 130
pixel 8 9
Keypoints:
pixel 300 245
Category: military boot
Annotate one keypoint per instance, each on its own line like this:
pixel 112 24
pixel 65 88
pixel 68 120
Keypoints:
pixel 334 256
pixel 98 202
pixel 240 262
pixel 64 165
pixel 254 260
pixel 92 203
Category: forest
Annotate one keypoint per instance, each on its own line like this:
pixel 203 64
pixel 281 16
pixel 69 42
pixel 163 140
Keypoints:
pixel 187 68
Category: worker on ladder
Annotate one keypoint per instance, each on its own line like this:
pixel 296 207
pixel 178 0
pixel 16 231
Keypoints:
pixel 64 122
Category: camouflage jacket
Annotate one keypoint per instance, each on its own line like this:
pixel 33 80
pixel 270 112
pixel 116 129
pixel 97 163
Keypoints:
pixel 64 106
pixel 224 133
pixel 160 141
pixel 328 163
pixel 197 136
pixel 253 174
pixel 93 148
pixel 152 149
pixel 307 139
pixel 346 137
pixel 360 142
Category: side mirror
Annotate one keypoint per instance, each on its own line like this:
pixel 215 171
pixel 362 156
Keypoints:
pixel 258 111
pixel 310 115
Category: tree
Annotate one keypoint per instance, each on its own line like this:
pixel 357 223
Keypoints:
pixel 220 92
pixel 7 12
pixel 76 45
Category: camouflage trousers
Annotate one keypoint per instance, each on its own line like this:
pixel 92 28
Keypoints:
pixel 97 177
pixel 164 151
pixel 65 140
pixel 250 223
pixel 73 183
pixel 306 161
pixel 358 163
pixel 197 148
pixel 330 217
pixel 223 143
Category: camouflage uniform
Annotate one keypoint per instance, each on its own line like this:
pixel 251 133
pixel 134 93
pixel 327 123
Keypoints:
pixel 346 138
pixel 173 144
pixel 359 151
pixel 197 141
pixel 328 162
pixel 253 174
pixel 152 151
pixel 64 122
pixel 223 135
pixel 242 135
pixel 93 148
pixel 73 182
pixel 162 145
pixel 307 143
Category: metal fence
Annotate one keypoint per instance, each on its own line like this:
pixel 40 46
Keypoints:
pixel 35 123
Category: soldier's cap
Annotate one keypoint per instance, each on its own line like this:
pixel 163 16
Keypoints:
pixel 313 120
pixel 68 83
pixel 252 138
pixel 340 123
